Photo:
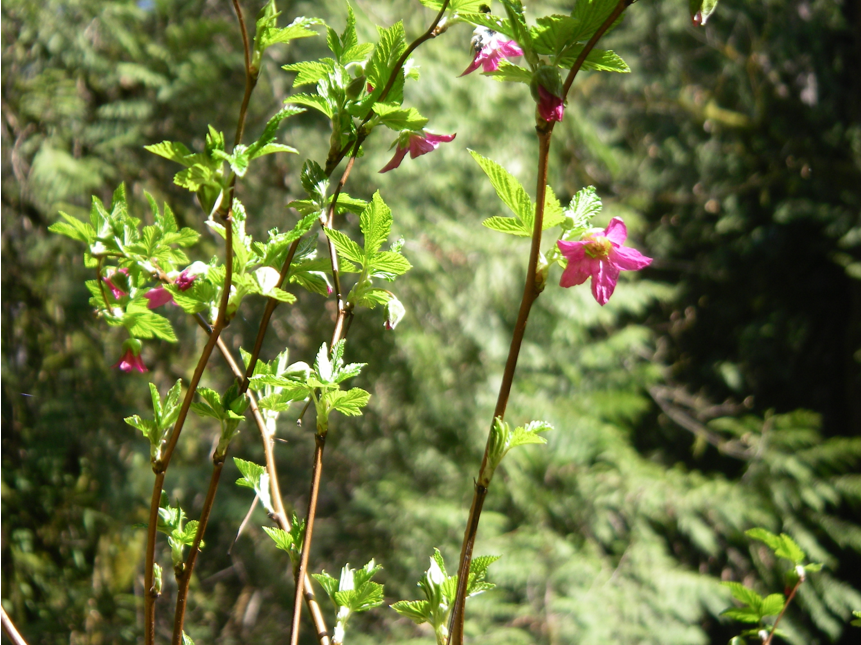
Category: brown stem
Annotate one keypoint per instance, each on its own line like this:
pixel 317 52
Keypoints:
pixel 10 630
pixel 185 579
pixel 160 465
pixel 531 290
pixel 319 446
pixel 782 611
pixel 250 75
pixel 267 315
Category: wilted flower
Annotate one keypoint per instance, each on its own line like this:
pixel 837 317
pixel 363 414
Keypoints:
pixel 116 292
pixel 600 256
pixel 158 297
pixel 131 359
pixel 490 48
pixel 418 144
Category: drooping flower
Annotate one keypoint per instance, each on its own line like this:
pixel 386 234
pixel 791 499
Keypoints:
pixel 418 144
pixel 116 292
pixel 490 48
pixel 131 359
pixel 158 297
pixel 550 106
pixel 600 256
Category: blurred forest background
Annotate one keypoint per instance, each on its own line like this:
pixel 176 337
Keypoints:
pixel 717 391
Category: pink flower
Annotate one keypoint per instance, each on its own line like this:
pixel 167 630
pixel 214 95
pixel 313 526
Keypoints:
pixel 601 256
pixel 550 106
pixel 116 292
pixel 158 297
pixel 131 360
pixel 418 145
pixel 185 280
pixel 490 55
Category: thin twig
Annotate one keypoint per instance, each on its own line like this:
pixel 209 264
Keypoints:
pixel 250 76
pixel 9 628
pixel 531 290
pixel 782 611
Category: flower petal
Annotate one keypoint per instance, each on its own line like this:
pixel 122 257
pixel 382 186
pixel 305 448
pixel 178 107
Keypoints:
pixel 616 231
pixel 550 107
pixel 421 146
pixel 629 259
pixel 476 63
pixel 510 48
pixel 439 138
pixel 400 153
pixel 604 281
pixel 580 266
pixel 158 297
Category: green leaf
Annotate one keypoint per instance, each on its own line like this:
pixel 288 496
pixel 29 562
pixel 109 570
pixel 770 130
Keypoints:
pixel 398 118
pixel 74 228
pixel 309 72
pixel 704 7
pixel 255 477
pixel 772 540
pixel 529 434
pixel 772 605
pixel 553 212
pixel 350 402
pixel 742 614
pixel 514 11
pixel 174 151
pixel 508 225
pixel 416 610
pixel 346 248
pixel 553 34
pixel 591 14
pixel 597 60
pixel 315 101
pixel 147 427
pixel 271 35
pixel 458 6
pixel 507 188
pixel 376 224
pixel 143 323
pixel 490 21
pixel 283 540
pixel 789 550
pixel 857 621
pixel 329 584
pixel 386 53
pixel 388 265
pixel 267 138
pixel 510 73
pixel 744 595
pixel 194 177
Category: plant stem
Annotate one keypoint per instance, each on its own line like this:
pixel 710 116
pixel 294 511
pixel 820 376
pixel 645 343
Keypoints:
pixel 250 75
pixel 10 630
pixel 316 473
pixel 267 315
pixel 782 611
pixel 160 466
pixel 531 290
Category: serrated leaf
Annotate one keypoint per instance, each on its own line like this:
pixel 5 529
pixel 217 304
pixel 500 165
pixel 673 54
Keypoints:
pixel 314 101
pixel 143 323
pixel 416 610
pixel 507 225
pixel 510 73
pixel 194 177
pixel 388 265
pixel 744 595
pixel 772 605
pixel 771 540
pixel 282 539
pixel 789 550
pixel 507 188
pixel 329 584
pixel 309 72
pixel 174 151
pixel 376 224
pixel 299 28
pixel 350 402
pixel 742 614
pixel 398 118
pixel 74 228
pixel 553 34
pixel 346 247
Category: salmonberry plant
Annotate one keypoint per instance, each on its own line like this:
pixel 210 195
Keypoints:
pixel 141 266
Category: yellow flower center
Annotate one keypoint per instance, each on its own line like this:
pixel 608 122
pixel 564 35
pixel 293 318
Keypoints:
pixel 598 246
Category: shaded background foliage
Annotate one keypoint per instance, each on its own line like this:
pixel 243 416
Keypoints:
pixel 733 153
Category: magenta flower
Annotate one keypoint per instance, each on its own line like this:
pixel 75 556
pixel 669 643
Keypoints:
pixel 601 256
pixel 492 53
pixel 550 106
pixel 158 297
pixel 131 360
pixel 116 292
pixel 418 145
pixel 185 280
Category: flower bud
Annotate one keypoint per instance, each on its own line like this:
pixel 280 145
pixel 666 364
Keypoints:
pixel 547 77
pixel 354 89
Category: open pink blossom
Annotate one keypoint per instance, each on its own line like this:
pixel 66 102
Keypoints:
pixel 550 106
pixel 418 145
pixel 491 54
pixel 158 297
pixel 116 292
pixel 131 361
pixel 600 256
